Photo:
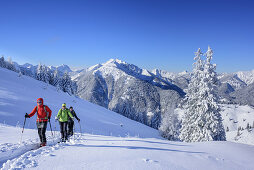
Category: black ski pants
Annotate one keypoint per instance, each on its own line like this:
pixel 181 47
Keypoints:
pixel 70 127
pixel 42 126
pixel 63 130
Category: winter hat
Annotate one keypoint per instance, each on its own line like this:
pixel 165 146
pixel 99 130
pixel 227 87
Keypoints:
pixel 64 105
pixel 40 99
pixel 71 107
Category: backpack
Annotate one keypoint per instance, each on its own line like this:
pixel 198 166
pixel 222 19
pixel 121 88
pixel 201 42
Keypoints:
pixel 44 106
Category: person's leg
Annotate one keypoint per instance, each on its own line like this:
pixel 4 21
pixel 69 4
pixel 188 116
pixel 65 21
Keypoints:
pixel 44 139
pixel 39 133
pixel 62 130
pixel 71 128
pixel 65 130
pixel 68 128
pixel 39 130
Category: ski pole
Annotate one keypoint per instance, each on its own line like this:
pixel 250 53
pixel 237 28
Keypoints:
pixel 51 131
pixel 55 129
pixel 80 128
pixel 23 130
pixel 74 131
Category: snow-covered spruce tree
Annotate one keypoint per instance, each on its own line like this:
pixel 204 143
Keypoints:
pixel 43 73
pixel 66 83
pixel 51 76
pixel 9 65
pixel 39 74
pixel 214 123
pixel 47 73
pixel 202 120
pixel 74 87
pixel 2 62
pixel 55 78
pixel 170 125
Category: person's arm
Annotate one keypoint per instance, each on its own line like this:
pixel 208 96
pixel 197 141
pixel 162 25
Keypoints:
pixel 75 115
pixel 49 111
pixel 69 113
pixel 58 115
pixel 33 112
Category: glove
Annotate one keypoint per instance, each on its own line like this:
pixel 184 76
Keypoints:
pixel 27 116
pixel 56 118
pixel 78 120
pixel 49 119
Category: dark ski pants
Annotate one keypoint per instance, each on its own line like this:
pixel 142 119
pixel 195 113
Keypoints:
pixel 63 130
pixel 42 126
pixel 70 127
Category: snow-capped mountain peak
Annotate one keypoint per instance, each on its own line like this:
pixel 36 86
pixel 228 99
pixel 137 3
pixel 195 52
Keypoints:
pixel 27 65
pixel 114 62
pixel 118 68
pixel 130 69
pixel 64 68
pixel 246 76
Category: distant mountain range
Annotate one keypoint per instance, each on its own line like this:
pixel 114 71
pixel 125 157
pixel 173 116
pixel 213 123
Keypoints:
pixel 126 89
pixel 144 95
pixel 61 69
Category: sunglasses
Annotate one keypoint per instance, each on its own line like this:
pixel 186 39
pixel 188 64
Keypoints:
pixel 39 102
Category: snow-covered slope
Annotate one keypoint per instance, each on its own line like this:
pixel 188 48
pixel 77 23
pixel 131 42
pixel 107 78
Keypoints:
pixel 110 141
pixel 92 152
pixel 238 117
pixel 18 96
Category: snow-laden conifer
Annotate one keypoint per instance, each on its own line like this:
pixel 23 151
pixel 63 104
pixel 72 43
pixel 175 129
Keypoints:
pixel 170 125
pixel 39 74
pixel 202 120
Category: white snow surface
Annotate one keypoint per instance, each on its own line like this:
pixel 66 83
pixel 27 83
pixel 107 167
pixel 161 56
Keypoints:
pixel 108 140
pixel 88 151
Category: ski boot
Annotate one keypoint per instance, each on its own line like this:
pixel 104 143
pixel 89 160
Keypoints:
pixel 43 144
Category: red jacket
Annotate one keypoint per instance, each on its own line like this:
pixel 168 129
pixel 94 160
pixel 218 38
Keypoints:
pixel 41 114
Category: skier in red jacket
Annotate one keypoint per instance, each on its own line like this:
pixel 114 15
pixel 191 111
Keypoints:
pixel 43 116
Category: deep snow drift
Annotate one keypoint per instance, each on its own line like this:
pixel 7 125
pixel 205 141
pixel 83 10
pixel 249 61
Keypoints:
pixel 108 141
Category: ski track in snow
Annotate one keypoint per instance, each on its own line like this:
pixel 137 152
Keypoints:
pixel 19 150
pixel 87 151
pixel 20 156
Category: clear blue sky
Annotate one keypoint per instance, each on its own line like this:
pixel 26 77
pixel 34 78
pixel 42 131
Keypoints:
pixel 148 33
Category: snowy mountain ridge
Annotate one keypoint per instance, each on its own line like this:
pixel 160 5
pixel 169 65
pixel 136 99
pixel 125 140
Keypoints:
pixel 118 68
pixel 117 64
pixel 126 89
pixel 237 80
pixel 62 68
pixel 246 76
